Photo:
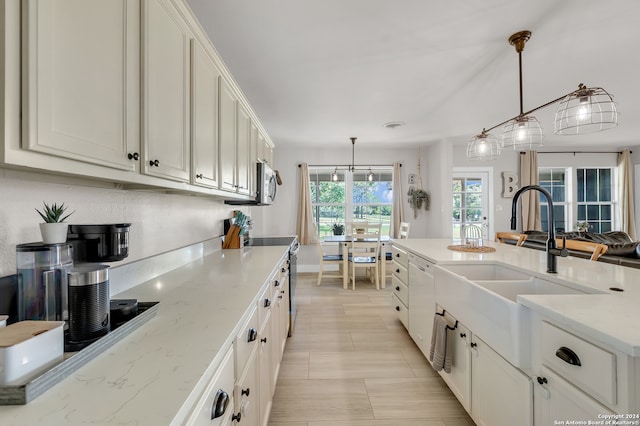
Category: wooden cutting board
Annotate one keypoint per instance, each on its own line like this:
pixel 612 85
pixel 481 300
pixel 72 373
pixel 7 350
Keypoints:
pixel 22 331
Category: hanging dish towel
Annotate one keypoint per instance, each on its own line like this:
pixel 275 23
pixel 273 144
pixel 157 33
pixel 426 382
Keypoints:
pixel 440 353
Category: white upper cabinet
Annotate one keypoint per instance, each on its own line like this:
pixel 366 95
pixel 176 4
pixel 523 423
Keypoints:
pixel 81 66
pixel 243 147
pixel 165 94
pixel 103 88
pixel 228 136
pixel 204 116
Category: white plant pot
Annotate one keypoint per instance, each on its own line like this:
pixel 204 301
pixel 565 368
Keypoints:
pixel 54 233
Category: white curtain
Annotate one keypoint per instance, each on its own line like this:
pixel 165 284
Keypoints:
pixel 627 214
pixel 397 211
pixel 305 229
pixel 530 201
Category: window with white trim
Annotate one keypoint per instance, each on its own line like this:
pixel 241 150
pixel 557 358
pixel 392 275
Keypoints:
pixel 555 181
pixel 353 197
pixel 595 201
pixel 580 196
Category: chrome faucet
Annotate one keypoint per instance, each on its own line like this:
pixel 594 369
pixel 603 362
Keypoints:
pixel 552 246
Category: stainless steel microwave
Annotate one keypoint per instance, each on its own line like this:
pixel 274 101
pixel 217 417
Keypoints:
pixel 266 188
pixel 266 185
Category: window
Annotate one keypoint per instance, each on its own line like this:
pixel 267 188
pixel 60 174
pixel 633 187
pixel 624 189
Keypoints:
pixel 554 180
pixel 351 198
pixel 593 192
pixel 595 199
pixel 467 204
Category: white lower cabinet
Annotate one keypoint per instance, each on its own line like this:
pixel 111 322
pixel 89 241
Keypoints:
pixel 491 390
pixel 578 378
pixel 264 354
pixel 247 393
pixel 400 282
pixel 501 394
pixel 459 379
pixel 216 406
pixel 557 400
pixel 279 323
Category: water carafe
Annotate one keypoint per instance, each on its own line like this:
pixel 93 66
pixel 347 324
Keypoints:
pixel 43 281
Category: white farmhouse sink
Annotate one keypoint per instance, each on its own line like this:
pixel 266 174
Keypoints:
pixel 486 271
pixel 483 297
pixel 510 289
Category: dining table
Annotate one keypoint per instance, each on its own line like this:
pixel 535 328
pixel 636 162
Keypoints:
pixel 344 241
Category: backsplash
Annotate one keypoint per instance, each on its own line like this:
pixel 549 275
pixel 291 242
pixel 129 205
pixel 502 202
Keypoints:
pixel 159 222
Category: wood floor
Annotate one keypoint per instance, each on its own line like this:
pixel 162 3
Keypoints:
pixel 350 362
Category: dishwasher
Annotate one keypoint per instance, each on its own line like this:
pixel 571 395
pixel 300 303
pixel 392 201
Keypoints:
pixel 422 304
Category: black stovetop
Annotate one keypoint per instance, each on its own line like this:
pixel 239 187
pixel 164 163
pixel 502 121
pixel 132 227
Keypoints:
pixel 271 241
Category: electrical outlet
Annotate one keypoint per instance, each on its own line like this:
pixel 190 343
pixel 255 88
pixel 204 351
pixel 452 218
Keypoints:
pixel 412 178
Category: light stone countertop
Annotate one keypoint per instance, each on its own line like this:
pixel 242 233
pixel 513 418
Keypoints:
pixel 609 317
pixel 156 373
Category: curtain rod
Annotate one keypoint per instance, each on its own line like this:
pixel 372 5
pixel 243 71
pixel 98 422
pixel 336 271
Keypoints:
pixel 577 152
pixel 347 165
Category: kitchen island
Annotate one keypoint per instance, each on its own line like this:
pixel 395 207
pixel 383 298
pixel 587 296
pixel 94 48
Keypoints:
pixel 610 316
pixel 528 347
pixel 155 375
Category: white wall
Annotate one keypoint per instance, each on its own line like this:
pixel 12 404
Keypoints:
pixel 509 161
pixel 280 218
pixel 159 222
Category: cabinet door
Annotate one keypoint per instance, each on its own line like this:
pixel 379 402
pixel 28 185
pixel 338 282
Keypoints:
pixel 277 318
pixel 247 395
pixel 501 394
pixel 421 303
pixel 227 136
pixel 264 361
pixel 284 316
pixel 81 94
pixel 556 399
pixel 166 104
pixel 204 116
pixel 244 140
pixel 218 397
pixel 253 159
pixel 459 379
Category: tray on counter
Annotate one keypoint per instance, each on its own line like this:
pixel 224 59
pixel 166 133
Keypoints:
pixel 23 394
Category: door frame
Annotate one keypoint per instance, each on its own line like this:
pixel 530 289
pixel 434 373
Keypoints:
pixel 486 174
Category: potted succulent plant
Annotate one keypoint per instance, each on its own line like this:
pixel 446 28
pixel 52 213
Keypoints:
pixel 338 229
pixel 53 230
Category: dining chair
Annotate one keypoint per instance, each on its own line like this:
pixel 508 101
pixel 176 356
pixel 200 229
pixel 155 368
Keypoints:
pixel 358 226
pixel 364 253
pixel 328 259
pixel 503 237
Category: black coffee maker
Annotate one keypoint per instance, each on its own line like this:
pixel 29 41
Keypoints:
pixel 68 282
pixel 89 306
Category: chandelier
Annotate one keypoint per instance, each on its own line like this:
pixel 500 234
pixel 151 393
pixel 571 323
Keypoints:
pixel 585 110
pixel 352 167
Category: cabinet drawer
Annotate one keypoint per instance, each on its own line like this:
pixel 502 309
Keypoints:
pixel 245 341
pixel 218 393
pixel 400 272
pixel 596 373
pixel 399 256
pixel 400 289
pixel 264 306
pixel 403 312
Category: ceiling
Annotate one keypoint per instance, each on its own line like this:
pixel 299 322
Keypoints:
pixel 319 72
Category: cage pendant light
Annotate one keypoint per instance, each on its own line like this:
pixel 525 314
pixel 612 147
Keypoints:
pixel 524 131
pixel 483 147
pixel 585 110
